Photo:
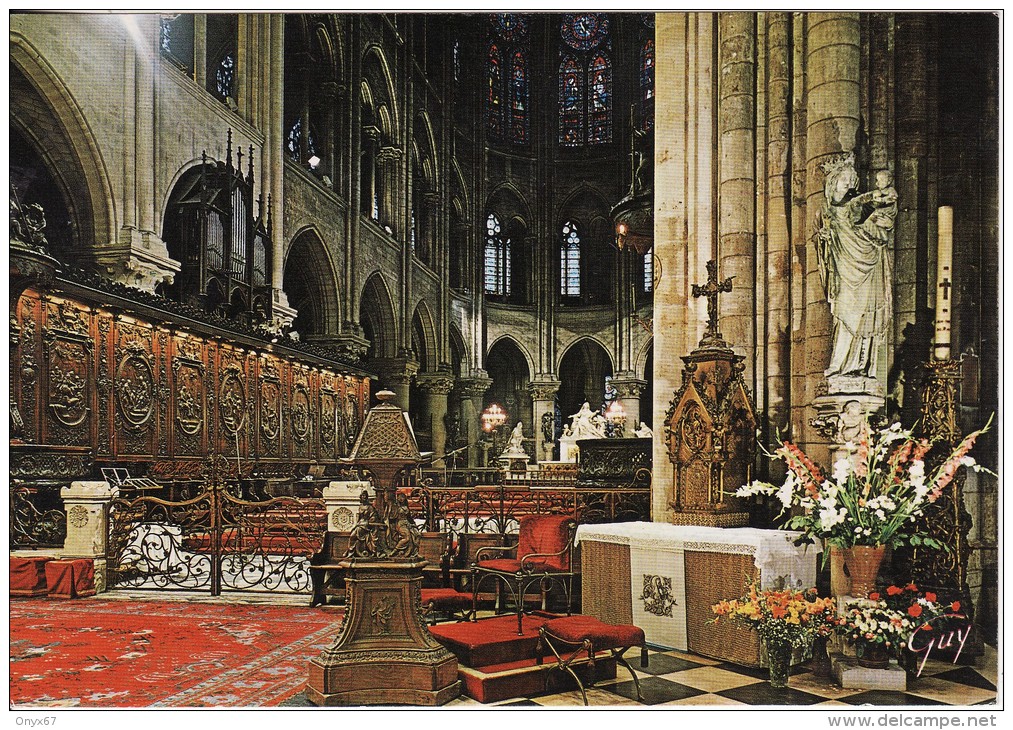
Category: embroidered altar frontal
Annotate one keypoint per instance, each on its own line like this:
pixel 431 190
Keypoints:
pixel 664 579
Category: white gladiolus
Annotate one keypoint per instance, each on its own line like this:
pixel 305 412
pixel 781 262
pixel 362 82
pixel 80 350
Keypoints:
pixel 842 468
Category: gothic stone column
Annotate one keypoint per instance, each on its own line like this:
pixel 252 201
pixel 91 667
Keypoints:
pixel 435 388
pixel 396 373
pixel 472 392
pixel 543 398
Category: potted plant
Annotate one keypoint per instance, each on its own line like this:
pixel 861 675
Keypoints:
pixel 870 501
pixel 880 627
pixel 784 619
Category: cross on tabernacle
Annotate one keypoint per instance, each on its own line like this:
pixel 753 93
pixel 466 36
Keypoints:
pixel 711 290
pixel 945 286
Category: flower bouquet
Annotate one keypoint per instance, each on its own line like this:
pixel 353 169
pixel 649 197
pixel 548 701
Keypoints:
pixel 874 494
pixel 882 626
pixel 784 619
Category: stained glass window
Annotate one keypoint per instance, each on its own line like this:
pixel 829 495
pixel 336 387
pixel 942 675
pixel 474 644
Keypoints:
pixel 599 108
pixel 295 142
pixel 224 76
pixel 519 100
pixel 569 270
pixel 457 59
pixel 374 212
pixel 585 80
pixel 571 103
pixel 647 70
pixel 497 258
pixel 411 231
pixel 507 101
pixel 649 271
pixel 584 31
pixel 495 90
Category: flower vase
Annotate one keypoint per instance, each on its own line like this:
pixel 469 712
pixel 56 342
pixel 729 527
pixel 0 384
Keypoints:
pixel 820 664
pixel 779 661
pixel 839 583
pixel 862 563
pixel 873 656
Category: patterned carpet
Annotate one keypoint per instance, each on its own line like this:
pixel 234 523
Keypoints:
pixel 124 650
pixel 106 653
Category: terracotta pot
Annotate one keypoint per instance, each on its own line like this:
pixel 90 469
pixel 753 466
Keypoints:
pixel 840 585
pixel 862 564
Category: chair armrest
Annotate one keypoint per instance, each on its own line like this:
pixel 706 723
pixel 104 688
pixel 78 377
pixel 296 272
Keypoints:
pixel 493 549
pixel 531 556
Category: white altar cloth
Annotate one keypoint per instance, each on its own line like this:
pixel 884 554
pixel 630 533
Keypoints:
pixel 657 566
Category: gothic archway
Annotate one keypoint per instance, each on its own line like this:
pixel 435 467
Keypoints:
pixel 376 317
pixel 582 372
pixel 311 286
pixel 508 368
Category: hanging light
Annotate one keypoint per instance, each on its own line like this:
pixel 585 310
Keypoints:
pixel 493 417
pixel 634 214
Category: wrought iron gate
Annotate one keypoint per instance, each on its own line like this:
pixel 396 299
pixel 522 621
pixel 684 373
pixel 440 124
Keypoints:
pixel 215 541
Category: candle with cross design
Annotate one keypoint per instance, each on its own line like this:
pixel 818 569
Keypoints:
pixel 944 282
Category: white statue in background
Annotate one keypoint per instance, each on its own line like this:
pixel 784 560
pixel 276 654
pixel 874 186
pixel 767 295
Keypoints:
pixel 853 245
pixel 587 424
pixel 516 443
pixel 644 432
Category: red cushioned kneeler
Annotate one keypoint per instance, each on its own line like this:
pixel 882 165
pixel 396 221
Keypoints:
pixel 28 575
pixel 71 578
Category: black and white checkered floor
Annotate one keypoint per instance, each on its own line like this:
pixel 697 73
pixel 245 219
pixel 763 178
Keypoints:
pixel 679 679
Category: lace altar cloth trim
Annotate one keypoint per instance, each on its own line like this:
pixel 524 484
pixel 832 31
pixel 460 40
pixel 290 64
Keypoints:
pixel 772 550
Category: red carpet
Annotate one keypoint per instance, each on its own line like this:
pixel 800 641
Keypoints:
pixel 108 653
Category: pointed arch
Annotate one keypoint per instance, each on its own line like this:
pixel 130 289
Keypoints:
pixel 311 284
pixel 460 358
pixel 88 182
pixel 377 70
pixel 377 317
pixel 582 369
pixel 424 337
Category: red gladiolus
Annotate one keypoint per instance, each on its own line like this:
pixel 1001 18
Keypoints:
pixel 911 587
pixel 874 596
pixel 915 610
pixel 955 605
pixel 930 597
pixel 893 591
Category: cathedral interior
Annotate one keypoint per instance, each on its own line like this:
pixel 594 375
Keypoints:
pixel 602 261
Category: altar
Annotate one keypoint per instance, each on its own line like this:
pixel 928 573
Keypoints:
pixel 664 578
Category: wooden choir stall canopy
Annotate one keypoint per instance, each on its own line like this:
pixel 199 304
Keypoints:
pixel 664 578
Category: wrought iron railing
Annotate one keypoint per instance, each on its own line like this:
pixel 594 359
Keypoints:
pixel 216 540
pixel 497 508
pixel 33 522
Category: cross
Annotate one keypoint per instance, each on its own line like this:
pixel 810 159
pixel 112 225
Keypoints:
pixel 711 291
pixel 945 286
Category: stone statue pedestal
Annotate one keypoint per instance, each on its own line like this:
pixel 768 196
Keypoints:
pixel 515 463
pixel 384 654
pixel 568 449
pixel 840 415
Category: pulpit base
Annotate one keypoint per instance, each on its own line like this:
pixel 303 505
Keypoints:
pixel 384 654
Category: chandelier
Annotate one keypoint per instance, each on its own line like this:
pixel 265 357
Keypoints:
pixel 633 216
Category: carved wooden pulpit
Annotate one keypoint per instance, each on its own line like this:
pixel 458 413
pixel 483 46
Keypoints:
pixel 384 654
pixel 710 428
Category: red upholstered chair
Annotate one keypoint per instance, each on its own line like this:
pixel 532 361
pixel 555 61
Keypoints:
pixel 542 556
pixel 569 636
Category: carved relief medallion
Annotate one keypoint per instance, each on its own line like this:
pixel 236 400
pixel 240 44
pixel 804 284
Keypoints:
pixel 300 413
pixel 232 404
pixel 135 386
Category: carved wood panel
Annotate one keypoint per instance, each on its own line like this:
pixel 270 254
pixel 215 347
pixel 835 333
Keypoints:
pixel 131 390
pixel 69 389
pixel 134 389
pixel 188 397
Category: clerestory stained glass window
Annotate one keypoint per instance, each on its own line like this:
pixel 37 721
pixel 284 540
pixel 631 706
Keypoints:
pixel 649 271
pixel 585 80
pixel 647 84
pixel 569 269
pixel 497 258
pixel 507 100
